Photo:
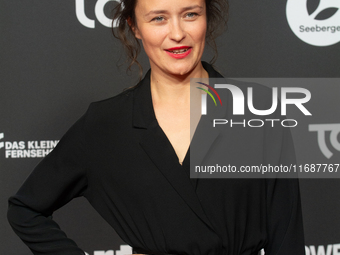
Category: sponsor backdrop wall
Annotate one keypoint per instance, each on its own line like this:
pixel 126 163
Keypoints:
pixel 58 56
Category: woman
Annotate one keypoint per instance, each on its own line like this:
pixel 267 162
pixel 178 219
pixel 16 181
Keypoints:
pixel 129 156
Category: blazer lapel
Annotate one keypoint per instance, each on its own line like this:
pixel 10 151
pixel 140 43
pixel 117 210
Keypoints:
pixel 205 135
pixel 155 143
pixel 201 144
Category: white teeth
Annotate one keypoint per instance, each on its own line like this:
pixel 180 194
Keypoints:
pixel 179 51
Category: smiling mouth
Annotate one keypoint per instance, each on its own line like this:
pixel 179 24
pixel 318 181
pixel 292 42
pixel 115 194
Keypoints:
pixel 179 51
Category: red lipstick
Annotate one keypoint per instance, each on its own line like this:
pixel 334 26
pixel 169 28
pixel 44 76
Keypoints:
pixel 178 52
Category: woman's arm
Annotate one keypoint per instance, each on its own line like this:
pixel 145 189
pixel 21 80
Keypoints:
pixel 57 179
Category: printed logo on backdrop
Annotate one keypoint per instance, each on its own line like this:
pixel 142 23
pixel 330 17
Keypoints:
pixel 26 149
pixel 1 143
pixel 316 22
pixel 98 10
pixel 124 249
pixel 321 129
pixel 330 249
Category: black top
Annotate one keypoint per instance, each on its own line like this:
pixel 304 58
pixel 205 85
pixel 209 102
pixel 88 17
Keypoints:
pixel 118 157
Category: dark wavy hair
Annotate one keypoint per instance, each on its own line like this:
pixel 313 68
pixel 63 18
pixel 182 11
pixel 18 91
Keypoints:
pixel 217 17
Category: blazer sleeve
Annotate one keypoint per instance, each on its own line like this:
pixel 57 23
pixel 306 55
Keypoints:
pixel 284 214
pixel 58 178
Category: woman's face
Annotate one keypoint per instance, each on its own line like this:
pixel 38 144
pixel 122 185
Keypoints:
pixel 173 33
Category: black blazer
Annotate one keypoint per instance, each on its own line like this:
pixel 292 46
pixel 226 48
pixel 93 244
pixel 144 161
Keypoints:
pixel 118 157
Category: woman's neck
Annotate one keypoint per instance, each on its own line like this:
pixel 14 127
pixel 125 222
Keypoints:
pixel 174 89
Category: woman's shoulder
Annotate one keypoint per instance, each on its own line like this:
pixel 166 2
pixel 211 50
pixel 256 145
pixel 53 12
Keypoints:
pixel 121 98
pixel 122 103
pixel 118 103
pixel 110 110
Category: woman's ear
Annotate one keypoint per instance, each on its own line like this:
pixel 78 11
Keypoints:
pixel 134 28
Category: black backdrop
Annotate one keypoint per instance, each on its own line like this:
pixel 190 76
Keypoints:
pixel 52 67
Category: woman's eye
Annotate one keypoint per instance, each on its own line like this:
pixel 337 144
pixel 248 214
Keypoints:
pixel 191 15
pixel 158 19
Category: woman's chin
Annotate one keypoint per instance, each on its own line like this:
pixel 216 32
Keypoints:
pixel 182 70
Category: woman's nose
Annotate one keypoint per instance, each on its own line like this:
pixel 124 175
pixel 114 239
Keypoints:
pixel 177 31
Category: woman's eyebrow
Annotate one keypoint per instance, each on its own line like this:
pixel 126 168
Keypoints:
pixel 192 7
pixel 165 11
